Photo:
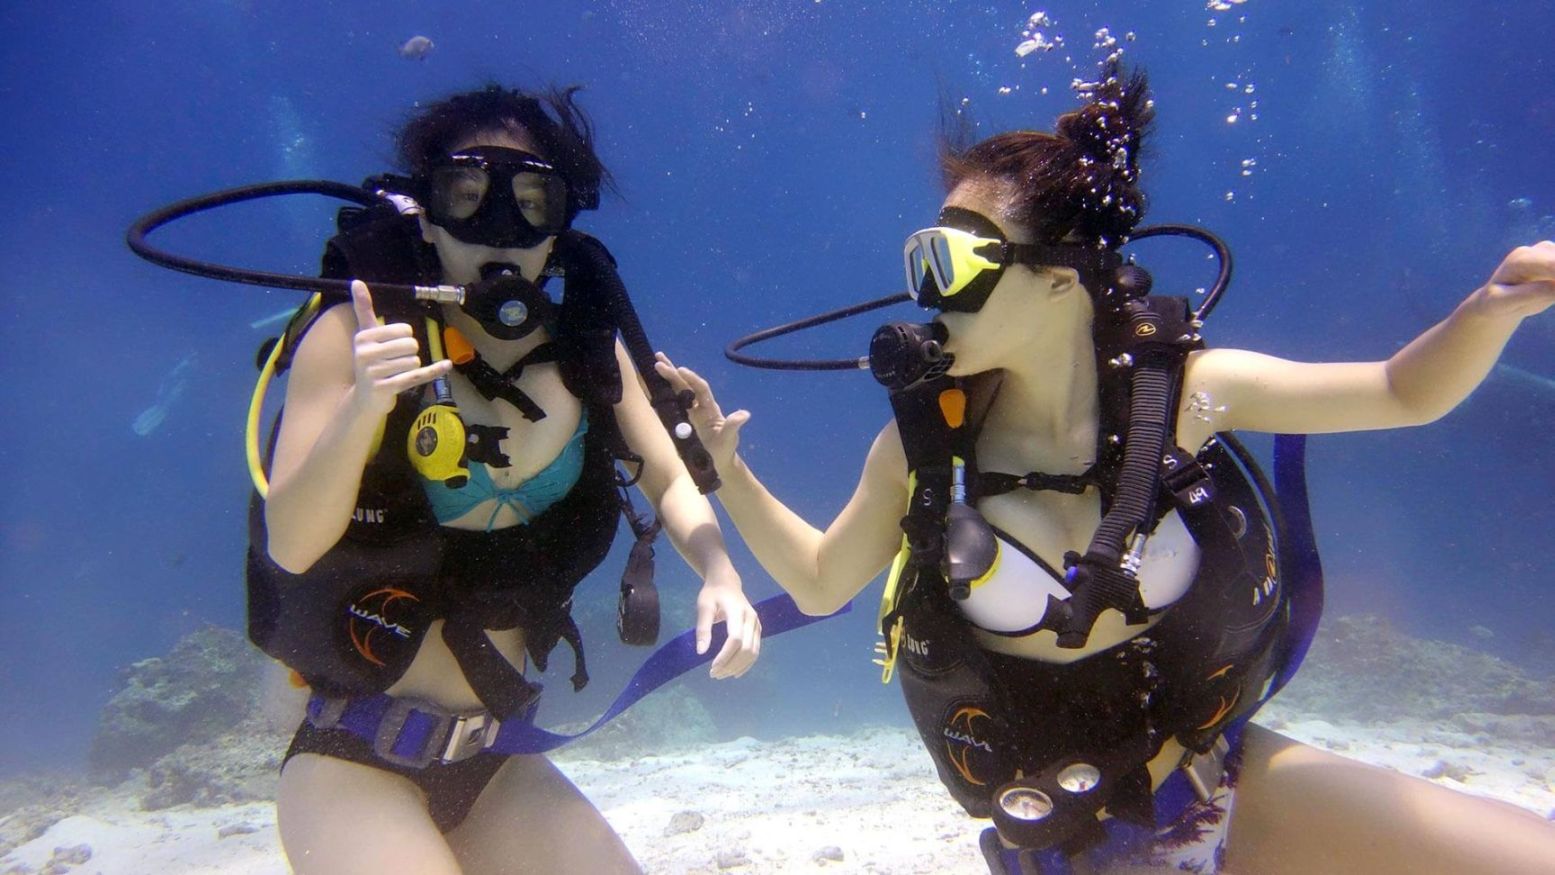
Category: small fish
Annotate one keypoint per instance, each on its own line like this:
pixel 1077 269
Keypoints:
pixel 149 419
pixel 169 391
pixel 1526 379
pixel 416 48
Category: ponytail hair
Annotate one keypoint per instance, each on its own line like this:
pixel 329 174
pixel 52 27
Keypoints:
pixel 1080 183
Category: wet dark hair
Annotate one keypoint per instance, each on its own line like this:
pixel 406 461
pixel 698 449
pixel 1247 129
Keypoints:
pixel 1079 183
pixel 561 131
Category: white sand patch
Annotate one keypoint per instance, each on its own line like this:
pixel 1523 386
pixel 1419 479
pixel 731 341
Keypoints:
pixel 868 802
pixel 862 803
pixel 178 840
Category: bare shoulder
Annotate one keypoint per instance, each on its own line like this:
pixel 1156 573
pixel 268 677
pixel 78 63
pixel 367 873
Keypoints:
pixel 1218 372
pixel 326 345
pixel 321 371
pixel 886 460
pixel 1226 389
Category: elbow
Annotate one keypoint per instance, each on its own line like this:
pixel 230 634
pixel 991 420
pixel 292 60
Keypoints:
pixel 297 538
pixel 1410 414
pixel 1426 417
pixel 290 558
pixel 290 553
pixel 1415 402
pixel 817 604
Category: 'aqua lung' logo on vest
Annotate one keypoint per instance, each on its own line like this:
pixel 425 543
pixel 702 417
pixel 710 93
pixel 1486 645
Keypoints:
pixel 368 514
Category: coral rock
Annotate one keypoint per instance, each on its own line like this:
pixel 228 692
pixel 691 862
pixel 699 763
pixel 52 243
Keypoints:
pixel 207 685
pixel 684 822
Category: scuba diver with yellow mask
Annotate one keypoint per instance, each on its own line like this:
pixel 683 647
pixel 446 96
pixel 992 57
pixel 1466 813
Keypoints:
pixel 1093 587
pixel 452 458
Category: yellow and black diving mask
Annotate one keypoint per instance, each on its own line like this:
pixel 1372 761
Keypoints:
pixel 955 265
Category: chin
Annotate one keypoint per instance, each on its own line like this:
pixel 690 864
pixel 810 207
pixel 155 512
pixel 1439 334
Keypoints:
pixel 963 367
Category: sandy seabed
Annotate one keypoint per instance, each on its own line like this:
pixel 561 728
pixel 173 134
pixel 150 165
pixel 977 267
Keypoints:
pixel 866 802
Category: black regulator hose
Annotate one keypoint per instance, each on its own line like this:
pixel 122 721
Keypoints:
pixel 136 238
pixel 1222 260
pixel 732 351
pixel 584 255
pixel 1100 581
pixel 734 354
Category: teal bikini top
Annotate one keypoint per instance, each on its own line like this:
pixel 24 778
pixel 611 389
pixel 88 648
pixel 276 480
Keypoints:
pixel 529 499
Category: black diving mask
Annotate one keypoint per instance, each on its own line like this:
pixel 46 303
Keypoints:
pixel 955 265
pixel 495 196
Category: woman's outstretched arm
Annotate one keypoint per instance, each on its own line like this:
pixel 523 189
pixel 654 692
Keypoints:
pixel 1420 383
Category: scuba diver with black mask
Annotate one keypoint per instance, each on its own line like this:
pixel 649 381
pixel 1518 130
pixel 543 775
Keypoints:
pixel 1093 588
pixel 441 477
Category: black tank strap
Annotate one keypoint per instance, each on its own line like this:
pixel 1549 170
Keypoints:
pixel 500 687
pixel 574 638
pixel 995 483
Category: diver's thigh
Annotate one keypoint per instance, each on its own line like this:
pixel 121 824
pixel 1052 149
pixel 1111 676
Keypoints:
pixel 530 818
pixel 340 818
pixel 1299 809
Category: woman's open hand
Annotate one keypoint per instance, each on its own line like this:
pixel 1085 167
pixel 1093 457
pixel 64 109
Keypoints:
pixel 723 600
pixel 720 434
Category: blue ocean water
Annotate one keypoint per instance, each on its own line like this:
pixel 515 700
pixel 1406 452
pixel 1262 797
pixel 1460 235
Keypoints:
pixel 1368 164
